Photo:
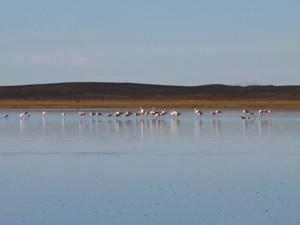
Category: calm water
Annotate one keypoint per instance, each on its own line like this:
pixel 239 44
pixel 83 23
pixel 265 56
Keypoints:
pixel 187 171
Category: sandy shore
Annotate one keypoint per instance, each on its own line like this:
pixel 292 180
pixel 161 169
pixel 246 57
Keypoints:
pixel 144 103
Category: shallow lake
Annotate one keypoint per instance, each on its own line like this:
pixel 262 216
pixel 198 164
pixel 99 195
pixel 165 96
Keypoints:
pixel 190 170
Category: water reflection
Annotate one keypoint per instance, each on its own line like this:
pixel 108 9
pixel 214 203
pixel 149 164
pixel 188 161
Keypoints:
pixel 118 124
pixel 215 126
pixel 44 124
pixel 92 123
pixel 63 125
pixel 246 124
pixel 197 126
pixel 142 128
pixel 264 125
pixel 174 124
pixel 81 125
pixel 22 127
pixel 108 123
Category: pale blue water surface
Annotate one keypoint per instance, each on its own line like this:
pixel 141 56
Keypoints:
pixel 144 171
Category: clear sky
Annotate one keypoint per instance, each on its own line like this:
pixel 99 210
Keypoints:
pixel 189 42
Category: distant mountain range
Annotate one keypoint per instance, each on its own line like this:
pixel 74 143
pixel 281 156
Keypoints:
pixel 248 83
pixel 108 91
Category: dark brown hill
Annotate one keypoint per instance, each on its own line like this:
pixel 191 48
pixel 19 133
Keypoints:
pixel 84 91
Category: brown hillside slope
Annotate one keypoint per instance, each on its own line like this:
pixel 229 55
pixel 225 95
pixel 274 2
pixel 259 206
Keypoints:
pixel 145 92
pixel 81 91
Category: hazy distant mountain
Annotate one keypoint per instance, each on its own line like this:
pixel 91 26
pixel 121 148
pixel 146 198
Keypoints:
pixel 248 83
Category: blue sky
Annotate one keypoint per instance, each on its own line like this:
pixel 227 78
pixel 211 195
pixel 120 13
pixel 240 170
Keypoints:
pixel 187 43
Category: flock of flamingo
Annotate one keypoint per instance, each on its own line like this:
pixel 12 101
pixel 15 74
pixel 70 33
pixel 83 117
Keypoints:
pixel 141 112
pixel 154 113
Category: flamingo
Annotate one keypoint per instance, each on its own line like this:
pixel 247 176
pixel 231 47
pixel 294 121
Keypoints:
pixel 127 114
pixel 213 113
pixel 269 111
pixel 198 112
pixel 174 113
pixel 216 112
pixel 177 114
pixel 63 114
pixel 117 114
pixel 130 113
pixel 5 116
pixel 157 114
pixel 44 113
pixel 147 113
pixel 252 115
pixel 163 113
pixel 92 114
pixel 109 115
pixel 261 111
pixel 136 114
pixel 24 114
pixel 98 113
pixel 245 111
pixel 142 111
pixel 81 113
pixel 153 112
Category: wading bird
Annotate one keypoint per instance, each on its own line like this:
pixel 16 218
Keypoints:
pixel 245 111
pixel 252 115
pixel 175 113
pixel 162 113
pixel 127 114
pixel 153 111
pixel 109 115
pixel 142 111
pixel 136 114
pixel 261 111
pixel 213 113
pixel 216 112
pixel 24 114
pixel 198 112
pixel 157 115
pixel 81 113
pixel 147 113
pixel 117 114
